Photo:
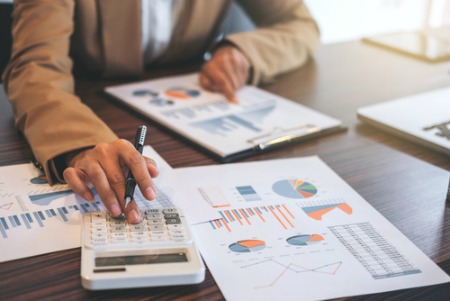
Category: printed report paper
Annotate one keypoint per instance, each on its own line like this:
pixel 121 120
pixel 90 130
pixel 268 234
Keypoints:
pixel 261 120
pixel 36 218
pixel 293 229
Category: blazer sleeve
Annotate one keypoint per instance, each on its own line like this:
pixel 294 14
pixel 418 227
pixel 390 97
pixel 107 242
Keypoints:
pixel 285 37
pixel 40 85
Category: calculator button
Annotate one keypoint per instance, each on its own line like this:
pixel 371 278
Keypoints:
pixel 155 222
pixel 174 227
pixel 156 227
pixel 169 210
pixel 99 236
pixel 173 221
pixel 122 229
pixel 158 238
pixel 150 211
pixel 171 215
pixel 137 228
pixel 99 242
pixel 176 232
pixel 178 237
pixel 157 233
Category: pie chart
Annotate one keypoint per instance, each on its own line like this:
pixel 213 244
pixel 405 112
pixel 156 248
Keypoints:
pixel 246 246
pixel 294 189
pixel 304 240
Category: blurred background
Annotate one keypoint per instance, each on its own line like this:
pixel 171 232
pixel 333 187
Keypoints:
pixel 343 20
pixel 339 20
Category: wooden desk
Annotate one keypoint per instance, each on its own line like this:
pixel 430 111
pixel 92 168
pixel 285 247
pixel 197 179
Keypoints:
pixel 407 183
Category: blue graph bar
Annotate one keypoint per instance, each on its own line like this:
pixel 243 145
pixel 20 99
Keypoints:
pixel 83 206
pixel 53 212
pixel 76 207
pixel 63 215
pixel 25 220
pixel 212 224
pixel 97 208
pixel 41 215
pixel 65 210
pixel 245 213
pixel 5 225
pixel 29 217
pixel 49 214
pixel 237 213
pixel 12 221
pixel 224 217
pixel 17 220
pixel 3 232
pixel 38 219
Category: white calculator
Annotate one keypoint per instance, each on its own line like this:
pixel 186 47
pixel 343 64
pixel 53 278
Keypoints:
pixel 159 251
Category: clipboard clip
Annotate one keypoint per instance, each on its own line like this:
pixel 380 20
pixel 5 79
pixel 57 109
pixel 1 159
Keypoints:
pixel 279 136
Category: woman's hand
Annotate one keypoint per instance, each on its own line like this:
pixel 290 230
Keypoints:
pixel 105 167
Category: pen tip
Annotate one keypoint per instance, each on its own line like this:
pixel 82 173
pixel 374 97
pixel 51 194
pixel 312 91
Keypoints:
pixel 127 201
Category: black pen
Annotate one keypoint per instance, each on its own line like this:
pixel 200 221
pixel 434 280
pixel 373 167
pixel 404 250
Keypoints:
pixel 131 182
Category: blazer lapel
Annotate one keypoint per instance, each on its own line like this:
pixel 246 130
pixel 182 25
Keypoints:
pixel 121 36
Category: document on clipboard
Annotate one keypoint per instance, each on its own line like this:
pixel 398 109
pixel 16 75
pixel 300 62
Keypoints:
pixel 259 122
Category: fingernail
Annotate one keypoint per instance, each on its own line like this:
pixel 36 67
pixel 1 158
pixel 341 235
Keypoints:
pixel 134 217
pixel 150 193
pixel 115 210
pixel 87 196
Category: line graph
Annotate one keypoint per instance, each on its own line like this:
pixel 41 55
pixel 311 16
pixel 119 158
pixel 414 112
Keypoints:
pixel 328 269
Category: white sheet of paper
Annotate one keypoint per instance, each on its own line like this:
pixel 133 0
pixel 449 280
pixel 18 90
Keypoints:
pixel 36 218
pixel 294 228
pixel 208 119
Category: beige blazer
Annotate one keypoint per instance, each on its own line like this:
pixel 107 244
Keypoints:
pixel 104 37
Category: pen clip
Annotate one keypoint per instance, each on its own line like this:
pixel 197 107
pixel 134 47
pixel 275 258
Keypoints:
pixel 279 135
pixel 140 138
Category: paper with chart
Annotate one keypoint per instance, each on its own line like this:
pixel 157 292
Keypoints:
pixel 261 119
pixel 293 228
pixel 36 218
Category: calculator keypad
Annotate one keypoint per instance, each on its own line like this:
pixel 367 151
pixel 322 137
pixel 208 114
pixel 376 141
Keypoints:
pixel 157 226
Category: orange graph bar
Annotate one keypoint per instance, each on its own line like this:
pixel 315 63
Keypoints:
pixel 260 216
pixel 287 220
pixel 285 208
pixel 230 218
pixel 226 225
pixel 279 220
pixel 216 223
pixel 237 218
pixel 244 216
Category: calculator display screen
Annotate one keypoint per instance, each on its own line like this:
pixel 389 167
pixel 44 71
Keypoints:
pixel 140 259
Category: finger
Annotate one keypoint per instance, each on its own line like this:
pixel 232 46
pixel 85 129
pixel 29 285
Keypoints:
pixel 138 167
pixel 76 180
pixel 221 82
pixel 208 81
pixel 132 213
pixel 151 167
pixel 100 181
pixel 226 86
